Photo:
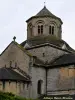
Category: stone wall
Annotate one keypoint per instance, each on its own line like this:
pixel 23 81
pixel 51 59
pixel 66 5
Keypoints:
pixel 46 21
pixel 61 79
pixel 15 55
pixel 37 74
pixel 17 88
pixel 49 52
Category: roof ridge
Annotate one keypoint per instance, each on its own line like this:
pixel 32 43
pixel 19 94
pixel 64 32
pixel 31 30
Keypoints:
pixel 22 48
pixel 23 72
pixel 44 13
pixel 54 60
pixel 67 58
pixel 18 45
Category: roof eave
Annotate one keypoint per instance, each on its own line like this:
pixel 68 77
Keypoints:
pixel 54 66
pixel 43 17
pixel 60 65
pixel 16 80
pixel 48 44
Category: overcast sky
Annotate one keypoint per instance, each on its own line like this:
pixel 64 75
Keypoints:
pixel 14 13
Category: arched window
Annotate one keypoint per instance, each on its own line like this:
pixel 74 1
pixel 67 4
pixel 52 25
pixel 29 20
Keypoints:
pixel 51 29
pixel 30 29
pixel 40 29
pixel 39 25
pixel 39 87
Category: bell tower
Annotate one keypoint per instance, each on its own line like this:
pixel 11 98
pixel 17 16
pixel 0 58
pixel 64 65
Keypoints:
pixel 44 23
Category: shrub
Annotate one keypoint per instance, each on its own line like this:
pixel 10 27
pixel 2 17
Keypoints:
pixel 10 96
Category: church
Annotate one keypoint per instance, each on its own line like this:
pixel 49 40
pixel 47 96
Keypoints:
pixel 42 64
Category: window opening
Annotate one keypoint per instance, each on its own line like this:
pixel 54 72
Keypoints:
pixel 39 87
pixel 3 85
pixel 51 29
pixel 40 29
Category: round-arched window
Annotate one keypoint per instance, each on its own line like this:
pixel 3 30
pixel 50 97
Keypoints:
pixel 30 29
pixel 39 86
pixel 52 27
pixel 40 27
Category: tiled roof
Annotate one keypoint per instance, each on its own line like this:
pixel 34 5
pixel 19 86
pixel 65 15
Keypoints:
pixel 66 59
pixel 10 74
pixel 44 13
pixel 46 39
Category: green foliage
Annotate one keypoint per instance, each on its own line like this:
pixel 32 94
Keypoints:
pixel 10 96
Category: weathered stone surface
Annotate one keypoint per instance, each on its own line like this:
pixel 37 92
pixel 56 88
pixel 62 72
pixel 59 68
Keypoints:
pixel 50 53
pixel 46 21
pixel 15 55
pixel 62 78
pixel 59 80
pixel 37 74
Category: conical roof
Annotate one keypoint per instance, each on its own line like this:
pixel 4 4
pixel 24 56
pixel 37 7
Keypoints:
pixel 44 13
